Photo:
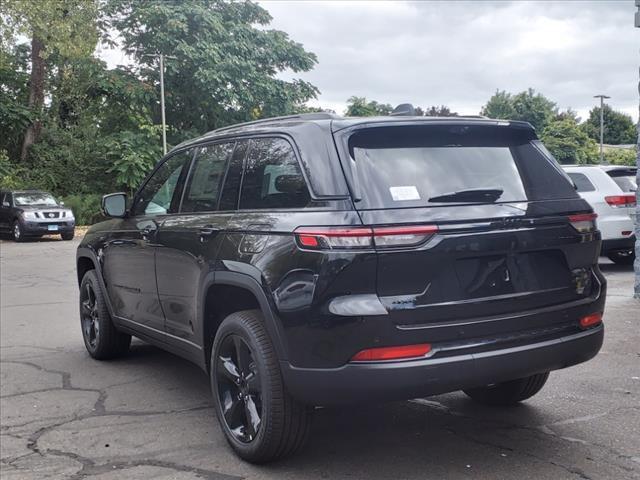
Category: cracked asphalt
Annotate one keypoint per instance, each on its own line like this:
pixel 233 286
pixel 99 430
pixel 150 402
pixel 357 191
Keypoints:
pixel 64 415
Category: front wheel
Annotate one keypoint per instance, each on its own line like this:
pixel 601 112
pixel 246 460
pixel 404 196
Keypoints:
pixel 68 235
pixel 101 338
pixel 509 393
pixel 259 418
pixel 17 231
pixel 622 257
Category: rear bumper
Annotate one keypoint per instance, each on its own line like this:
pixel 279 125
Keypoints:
pixel 613 245
pixel 416 378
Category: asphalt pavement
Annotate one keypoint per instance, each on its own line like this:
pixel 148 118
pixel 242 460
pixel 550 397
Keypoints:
pixel 149 415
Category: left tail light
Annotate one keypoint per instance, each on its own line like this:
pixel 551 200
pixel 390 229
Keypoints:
pixel 584 222
pixel 620 201
pixel 327 238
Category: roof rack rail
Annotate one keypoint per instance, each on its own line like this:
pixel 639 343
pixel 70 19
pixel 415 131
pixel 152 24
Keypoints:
pixel 301 116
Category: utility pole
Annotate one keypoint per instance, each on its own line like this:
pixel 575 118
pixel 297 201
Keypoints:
pixel 601 97
pixel 161 56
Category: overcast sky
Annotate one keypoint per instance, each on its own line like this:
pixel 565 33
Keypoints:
pixel 459 53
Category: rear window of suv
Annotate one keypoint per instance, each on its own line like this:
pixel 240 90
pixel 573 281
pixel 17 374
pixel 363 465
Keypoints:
pixel 415 166
pixel 625 179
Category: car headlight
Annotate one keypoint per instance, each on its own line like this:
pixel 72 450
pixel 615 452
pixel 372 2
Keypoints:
pixel 29 215
pixel 69 214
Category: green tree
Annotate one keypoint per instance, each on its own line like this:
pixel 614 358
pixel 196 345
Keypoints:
pixel 621 156
pixel 66 27
pixel 360 107
pixel 619 128
pixel 568 143
pixel 227 60
pixel 441 111
pixel 527 106
pixel 500 105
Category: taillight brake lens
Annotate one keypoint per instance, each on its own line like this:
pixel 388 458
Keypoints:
pixel 323 238
pixel 584 222
pixel 403 352
pixel 619 201
pixel 591 320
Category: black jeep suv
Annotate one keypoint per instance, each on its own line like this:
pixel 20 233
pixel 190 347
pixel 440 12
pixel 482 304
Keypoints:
pixel 316 260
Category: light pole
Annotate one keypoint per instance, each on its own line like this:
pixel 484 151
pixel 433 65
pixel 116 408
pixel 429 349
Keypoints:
pixel 161 56
pixel 601 97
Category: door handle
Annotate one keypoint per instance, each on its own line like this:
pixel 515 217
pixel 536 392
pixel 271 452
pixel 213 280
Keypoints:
pixel 207 231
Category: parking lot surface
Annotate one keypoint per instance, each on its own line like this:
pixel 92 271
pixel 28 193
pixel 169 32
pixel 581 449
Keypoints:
pixel 149 415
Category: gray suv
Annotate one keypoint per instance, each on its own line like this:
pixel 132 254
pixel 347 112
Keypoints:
pixel 33 213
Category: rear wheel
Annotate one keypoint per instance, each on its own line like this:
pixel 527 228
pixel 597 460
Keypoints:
pixel 259 418
pixel 622 257
pixel 100 336
pixel 509 393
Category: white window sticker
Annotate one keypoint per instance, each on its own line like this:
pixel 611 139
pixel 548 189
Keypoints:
pixel 404 193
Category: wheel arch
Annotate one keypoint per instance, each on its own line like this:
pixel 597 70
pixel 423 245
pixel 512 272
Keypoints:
pixel 227 292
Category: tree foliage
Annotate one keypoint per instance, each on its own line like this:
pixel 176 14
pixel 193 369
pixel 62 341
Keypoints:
pixel 568 143
pixel 618 127
pixel 361 107
pixel 226 60
pixel 527 106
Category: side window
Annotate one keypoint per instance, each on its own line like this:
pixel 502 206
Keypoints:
pixel 156 196
pixel 582 182
pixel 231 188
pixel 203 186
pixel 272 177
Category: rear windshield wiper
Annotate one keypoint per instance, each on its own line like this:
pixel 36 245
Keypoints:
pixel 470 195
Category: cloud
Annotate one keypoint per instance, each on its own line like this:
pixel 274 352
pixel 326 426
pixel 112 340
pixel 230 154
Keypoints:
pixel 459 53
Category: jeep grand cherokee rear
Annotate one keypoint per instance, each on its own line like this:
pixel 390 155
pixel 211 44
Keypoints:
pixel 486 272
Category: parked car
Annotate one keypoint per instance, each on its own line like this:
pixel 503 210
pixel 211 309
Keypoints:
pixel 33 213
pixel 610 190
pixel 315 260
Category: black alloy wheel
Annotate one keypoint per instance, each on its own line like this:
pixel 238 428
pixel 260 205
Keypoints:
pixel 239 388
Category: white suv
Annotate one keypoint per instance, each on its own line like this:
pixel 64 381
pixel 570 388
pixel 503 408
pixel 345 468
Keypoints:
pixel 610 189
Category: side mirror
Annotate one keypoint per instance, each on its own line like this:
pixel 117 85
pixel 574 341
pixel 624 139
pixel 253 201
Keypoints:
pixel 115 205
pixel 62 204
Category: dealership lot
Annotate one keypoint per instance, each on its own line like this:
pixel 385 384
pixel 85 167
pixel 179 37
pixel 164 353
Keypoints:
pixel 64 415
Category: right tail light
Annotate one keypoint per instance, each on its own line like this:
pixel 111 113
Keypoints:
pixel 584 222
pixel 620 201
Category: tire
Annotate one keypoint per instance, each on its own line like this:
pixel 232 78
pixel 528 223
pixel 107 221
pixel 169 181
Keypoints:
pixel 101 338
pixel 68 235
pixel 17 232
pixel 622 257
pixel 509 393
pixel 282 423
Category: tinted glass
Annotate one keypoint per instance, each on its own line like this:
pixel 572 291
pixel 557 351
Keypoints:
pixel 157 196
pixel 272 177
pixel 582 182
pixel 206 177
pixel 418 166
pixel 626 184
pixel 233 177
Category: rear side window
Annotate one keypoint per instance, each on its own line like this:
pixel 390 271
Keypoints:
pixel 233 177
pixel 206 177
pixel 581 181
pixel 272 177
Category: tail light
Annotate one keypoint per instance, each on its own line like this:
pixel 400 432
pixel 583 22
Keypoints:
pixel 403 352
pixel 619 201
pixel 591 320
pixel 327 238
pixel 584 222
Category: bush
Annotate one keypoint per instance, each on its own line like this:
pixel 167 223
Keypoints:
pixel 620 156
pixel 86 208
